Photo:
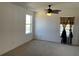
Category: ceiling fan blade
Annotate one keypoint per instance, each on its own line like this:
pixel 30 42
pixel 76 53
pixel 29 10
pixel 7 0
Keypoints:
pixel 49 10
pixel 56 11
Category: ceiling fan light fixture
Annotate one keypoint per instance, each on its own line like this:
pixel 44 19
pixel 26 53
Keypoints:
pixel 49 14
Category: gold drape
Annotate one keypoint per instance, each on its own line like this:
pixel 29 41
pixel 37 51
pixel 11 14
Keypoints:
pixel 67 20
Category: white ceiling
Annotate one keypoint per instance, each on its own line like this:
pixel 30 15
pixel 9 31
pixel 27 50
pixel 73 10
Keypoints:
pixel 39 6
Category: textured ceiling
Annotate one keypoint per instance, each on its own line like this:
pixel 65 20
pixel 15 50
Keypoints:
pixel 39 6
pixel 36 6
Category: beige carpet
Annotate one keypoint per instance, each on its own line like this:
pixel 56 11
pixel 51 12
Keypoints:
pixel 44 48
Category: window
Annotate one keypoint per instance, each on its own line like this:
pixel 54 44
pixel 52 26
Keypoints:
pixel 28 26
pixel 69 22
pixel 67 28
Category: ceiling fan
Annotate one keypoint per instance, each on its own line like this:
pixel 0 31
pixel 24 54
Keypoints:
pixel 50 11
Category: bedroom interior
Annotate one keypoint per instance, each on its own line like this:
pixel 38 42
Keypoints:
pixel 39 28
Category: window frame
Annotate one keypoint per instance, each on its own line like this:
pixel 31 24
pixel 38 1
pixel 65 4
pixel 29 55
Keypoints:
pixel 30 24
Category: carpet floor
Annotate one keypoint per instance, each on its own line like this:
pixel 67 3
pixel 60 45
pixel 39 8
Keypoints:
pixel 44 48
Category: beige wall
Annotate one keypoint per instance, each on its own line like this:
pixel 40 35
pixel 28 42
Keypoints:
pixel 47 27
pixel 12 27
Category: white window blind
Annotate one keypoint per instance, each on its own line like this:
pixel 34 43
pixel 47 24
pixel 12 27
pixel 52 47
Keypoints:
pixel 28 25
